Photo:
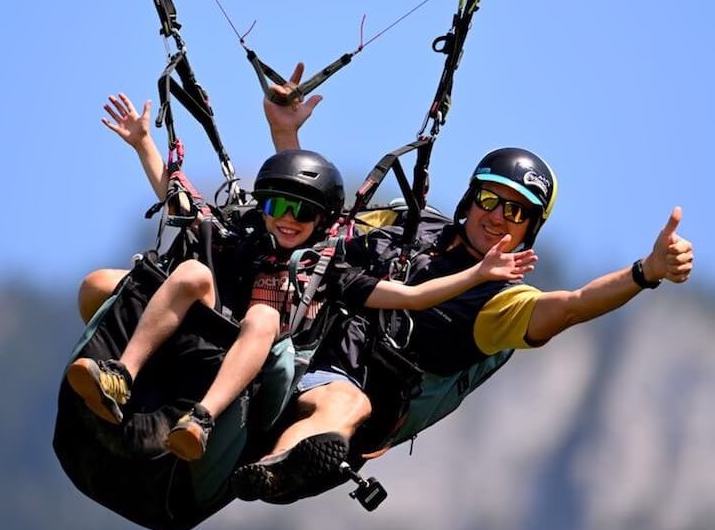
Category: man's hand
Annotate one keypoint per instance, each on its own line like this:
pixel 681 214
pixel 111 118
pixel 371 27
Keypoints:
pixel 131 127
pixel 285 120
pixel 672 256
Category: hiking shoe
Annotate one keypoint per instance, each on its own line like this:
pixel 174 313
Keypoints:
pixel 188 438
pixel 104 386
pixel 311 462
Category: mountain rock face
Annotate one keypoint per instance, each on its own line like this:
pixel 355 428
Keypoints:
pixel 609 426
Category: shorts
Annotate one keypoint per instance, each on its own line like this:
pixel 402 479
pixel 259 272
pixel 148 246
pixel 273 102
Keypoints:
pixel 320 377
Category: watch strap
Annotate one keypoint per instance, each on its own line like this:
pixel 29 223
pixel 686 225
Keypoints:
pixel 639 277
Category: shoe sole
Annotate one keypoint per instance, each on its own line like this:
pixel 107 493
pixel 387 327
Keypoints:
pixel 83 377
pixel 312 460
pixel 186 442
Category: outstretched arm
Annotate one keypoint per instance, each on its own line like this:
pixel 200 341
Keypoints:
pixel 671 259
pixel 285 120
pixel 134 128
pixel 496 265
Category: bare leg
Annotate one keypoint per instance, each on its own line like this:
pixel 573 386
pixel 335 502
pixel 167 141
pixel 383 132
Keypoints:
pixel 336 407
pixel 244 359
pixel 306 458
pixel 96 287
pixel 190 282
pixel 259 330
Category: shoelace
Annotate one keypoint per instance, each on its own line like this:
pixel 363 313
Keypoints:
pixel 114 385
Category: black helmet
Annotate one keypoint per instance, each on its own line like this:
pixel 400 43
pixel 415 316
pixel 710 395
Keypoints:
pixel 303 175
pixel 522 171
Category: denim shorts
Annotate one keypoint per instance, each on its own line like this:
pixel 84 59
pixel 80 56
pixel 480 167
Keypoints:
pixel 316 378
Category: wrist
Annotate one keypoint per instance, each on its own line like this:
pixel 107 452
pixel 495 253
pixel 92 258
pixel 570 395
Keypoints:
pixel 285 139
pixel 145 144
pixel 643 276
pixel 477 274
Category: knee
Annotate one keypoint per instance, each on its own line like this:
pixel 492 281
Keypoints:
pixel 261 319
pixel 95 288
pixel 192 279
pixel 343 402
pixel 352 402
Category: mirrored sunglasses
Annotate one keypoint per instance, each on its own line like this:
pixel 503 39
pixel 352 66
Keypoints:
pixel 278 206
pixel 513 211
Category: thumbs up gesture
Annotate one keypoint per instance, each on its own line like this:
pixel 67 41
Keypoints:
pixel 672 255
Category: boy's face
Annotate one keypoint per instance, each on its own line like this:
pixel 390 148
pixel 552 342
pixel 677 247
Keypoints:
pixel 288 232
pixel 280 214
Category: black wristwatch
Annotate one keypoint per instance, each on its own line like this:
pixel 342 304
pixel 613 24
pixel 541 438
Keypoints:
pixel 639 277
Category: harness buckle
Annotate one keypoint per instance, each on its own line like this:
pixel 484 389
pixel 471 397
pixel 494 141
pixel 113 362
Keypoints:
pixel 399 270
pixel 397 327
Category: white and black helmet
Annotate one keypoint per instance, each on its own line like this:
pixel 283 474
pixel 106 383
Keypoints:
pixel 522 171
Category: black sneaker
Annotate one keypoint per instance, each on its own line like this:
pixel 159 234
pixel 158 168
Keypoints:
pixel 282 478
pixel 188 438
pixel 104 385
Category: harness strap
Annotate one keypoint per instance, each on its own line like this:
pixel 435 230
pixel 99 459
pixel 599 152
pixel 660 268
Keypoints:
pixel 190 94
pixel 265 73
pixel 389 161
pixel 415 203
pixel 184 200
pixel 415 195
pixel 334 246
pixel 450 44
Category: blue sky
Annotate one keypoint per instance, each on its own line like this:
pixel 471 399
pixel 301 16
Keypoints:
pixel 618 97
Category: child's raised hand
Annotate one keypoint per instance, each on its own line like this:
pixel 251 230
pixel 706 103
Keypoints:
pixel 291 116
pixel 131 126
pixel 500 265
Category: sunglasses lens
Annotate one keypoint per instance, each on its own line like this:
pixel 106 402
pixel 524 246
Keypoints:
pixel 307 213
pixel 513 211
pixel 486 200
pixel 274 206
pixel 303 212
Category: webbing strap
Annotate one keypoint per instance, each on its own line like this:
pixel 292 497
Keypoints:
pixel 265 73
pixel 189 93
pixel 373 180
pixel 415 203
pixel 415 195
pixel 334 246
pixel 195 99
pixel 451 44
pixel 178 177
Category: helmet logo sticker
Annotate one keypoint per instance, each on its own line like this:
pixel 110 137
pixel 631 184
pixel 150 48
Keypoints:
pixel 541 182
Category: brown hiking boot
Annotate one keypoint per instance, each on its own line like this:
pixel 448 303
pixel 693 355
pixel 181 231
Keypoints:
pixel 103 385
pixel 188 438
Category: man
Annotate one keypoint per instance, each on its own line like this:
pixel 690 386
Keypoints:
pixel 511 192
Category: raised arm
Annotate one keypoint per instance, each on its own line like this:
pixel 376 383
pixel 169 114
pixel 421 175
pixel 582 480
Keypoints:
pixel 135 129
pixel 671 259
pixel 496 265
pixel 285 120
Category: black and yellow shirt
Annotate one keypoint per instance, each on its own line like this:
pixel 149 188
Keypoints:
pixel 487 319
